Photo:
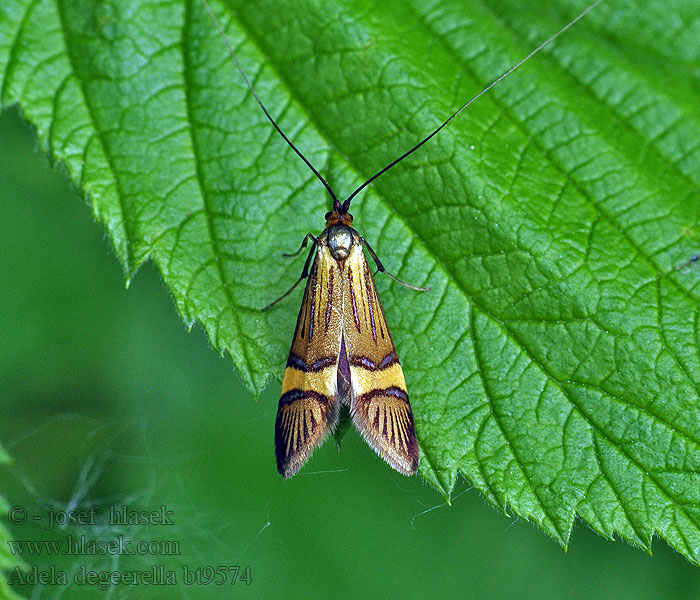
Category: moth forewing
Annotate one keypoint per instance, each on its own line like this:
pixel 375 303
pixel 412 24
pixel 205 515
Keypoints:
pixel 342 352
pixel 308 407
pixel 379 403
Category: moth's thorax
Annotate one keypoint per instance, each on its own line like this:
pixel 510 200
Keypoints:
pixel 339 239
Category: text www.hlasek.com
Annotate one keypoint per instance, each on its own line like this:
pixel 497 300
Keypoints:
pixel 81 546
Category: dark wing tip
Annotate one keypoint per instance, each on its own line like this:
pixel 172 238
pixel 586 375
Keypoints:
pixel 405 464
pixel 288 468
pixel 304 420
pixel 385 420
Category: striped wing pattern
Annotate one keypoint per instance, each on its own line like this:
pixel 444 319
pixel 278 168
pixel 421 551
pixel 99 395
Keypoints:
pixel 379 403
pixel 342 352
pixel 308 408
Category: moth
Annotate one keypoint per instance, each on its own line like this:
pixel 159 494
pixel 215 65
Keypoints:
pixel 342 355
pixel 343 362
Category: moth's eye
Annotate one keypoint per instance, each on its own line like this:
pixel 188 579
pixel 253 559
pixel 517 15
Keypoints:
pixel 327 215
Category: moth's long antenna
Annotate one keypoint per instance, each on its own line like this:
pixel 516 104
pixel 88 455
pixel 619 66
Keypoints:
pixel 267 114
pixel 346 203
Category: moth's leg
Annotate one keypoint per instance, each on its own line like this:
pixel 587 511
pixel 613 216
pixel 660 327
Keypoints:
pixel 304 272
pixel 307 237
pixel 381 269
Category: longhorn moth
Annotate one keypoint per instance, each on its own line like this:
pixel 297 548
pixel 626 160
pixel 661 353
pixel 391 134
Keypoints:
pixel 342 356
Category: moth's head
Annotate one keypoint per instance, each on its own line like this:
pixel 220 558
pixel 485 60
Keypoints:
pixel 339 215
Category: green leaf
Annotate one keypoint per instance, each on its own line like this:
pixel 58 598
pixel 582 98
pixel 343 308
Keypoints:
pixel 555 360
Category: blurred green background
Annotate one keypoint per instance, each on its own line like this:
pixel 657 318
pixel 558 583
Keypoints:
pixel 107 400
